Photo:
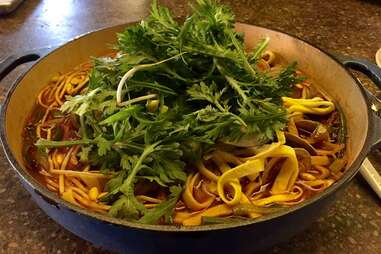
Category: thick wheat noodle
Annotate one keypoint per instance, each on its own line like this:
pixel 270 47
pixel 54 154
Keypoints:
pixel 45 173
pixel 79 75
pixel 102 194
pixel 64 86
pixel 38 131
pixel 251 187
pixel 51 182
pixel 57 93
pixel 89 203
pixel 323 172
pixel 80 173
pixel 47 113
pixel 50 97
pixel 61 178
pixel 78 184
pixel 52 188
pixel 49 134
pixel 80 192
pixel 54 159
pixel 41 94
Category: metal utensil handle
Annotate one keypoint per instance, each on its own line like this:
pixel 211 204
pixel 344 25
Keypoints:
pixel 371 175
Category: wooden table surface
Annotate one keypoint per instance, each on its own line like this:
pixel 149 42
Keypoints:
pixel 352 225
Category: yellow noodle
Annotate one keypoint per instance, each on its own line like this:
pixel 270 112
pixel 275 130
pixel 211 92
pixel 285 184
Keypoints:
pixel 54 160
pixel 324 172
pixel 305 93
pixel 40 95
pixel 58 90
pixel 317 185
pixel 307 176
pixel 246 200
pixel 89 203
pixel 45 173
pixel 51 182
pixel 38 131
pixel 102 195
pixel 68 195
pixel 320 160
pixel 46 114
pixel 61 182
pixel 317 106
pixel 269 166
pixel 81 173
pixel 78 184
pixel 80 192
pixel 206 172
pixel 181 216
pixel 221 164
pixel 215 211
pixel 291 127
pixel 52 188
pixel 251 169
pixel 49 134
pixel 248 168
pixel 61 177
pixel 288 172
pixel 270 55
pixel 188 197
pixel 295 194
pixel 221 158
pixel 251 187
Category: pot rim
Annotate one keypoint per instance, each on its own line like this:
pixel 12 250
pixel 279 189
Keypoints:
pixel 60 203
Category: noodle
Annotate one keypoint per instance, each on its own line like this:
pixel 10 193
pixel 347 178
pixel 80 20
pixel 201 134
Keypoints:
pixel 188 198
pixel 228 181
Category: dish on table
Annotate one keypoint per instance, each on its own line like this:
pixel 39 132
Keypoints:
pixel 239 235
pixel 183 131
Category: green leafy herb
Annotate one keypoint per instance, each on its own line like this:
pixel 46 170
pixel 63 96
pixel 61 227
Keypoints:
pixel 205 88
pixel 164 209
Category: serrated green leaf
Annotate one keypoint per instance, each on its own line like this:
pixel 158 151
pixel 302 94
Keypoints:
pixel 84 153
pixel 163 209
pixel 103 145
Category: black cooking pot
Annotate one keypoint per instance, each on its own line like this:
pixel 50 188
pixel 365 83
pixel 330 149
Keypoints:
pixel 329 74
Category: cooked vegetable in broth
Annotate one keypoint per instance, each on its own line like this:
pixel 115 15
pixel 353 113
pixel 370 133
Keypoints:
pixel 180 125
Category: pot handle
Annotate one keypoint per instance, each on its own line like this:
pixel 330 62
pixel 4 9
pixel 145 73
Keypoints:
pixel 371 70
pixel 368 68
pixel 12 61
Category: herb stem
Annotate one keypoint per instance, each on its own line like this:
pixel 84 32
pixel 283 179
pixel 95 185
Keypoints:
pixel 260 48
pixel 241 53
pixel 50 143
pixel 233 83
pixel 128 145
pixel 129 74
pixel 83 126
pixel 138 99
pixel 131 176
